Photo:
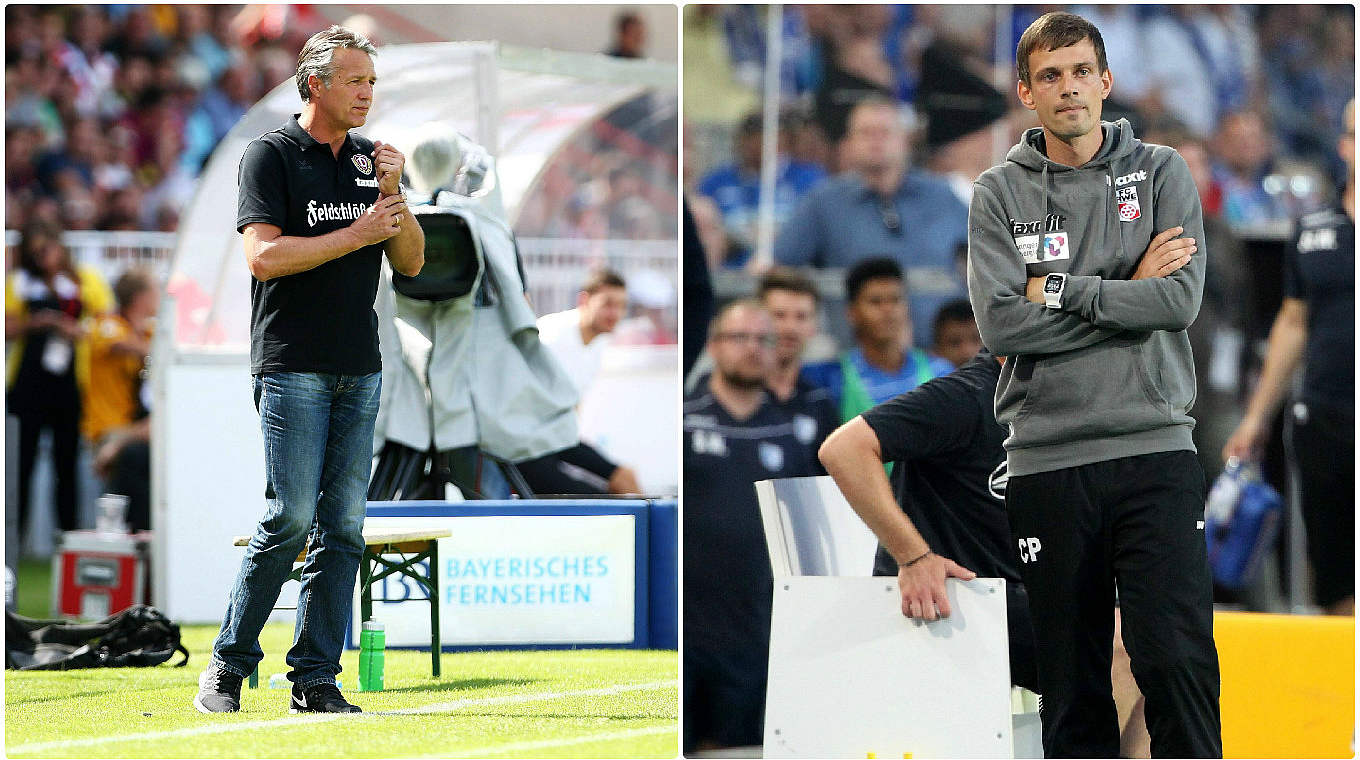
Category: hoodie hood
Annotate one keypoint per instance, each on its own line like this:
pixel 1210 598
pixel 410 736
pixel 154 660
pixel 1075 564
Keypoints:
pixel 1118 143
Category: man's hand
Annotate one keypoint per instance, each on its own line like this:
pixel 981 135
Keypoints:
pixel 1034 289
pixel 1165 254
pixel 106 455
pixel 1248 441
pixel 389 162
pixel 922 585
pixel 381 221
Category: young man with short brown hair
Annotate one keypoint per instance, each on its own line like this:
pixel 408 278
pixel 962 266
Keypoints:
pixel 1083 269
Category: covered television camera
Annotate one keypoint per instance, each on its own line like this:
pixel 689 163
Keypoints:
pixel 466 382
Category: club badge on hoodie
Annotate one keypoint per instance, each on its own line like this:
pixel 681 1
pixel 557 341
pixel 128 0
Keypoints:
pixel 1127 198
pixel 1126 195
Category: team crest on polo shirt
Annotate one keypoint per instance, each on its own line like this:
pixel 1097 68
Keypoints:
pixel 362 163
pixel 1127 198
pixel 771 455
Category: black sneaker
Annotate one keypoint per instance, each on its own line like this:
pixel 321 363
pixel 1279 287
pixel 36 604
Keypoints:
pixel 219 690
pixel 322 698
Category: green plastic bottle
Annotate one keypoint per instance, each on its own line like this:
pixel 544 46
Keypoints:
pixel 372 653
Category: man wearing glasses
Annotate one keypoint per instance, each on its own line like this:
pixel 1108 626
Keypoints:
pixel 878 207
pixel 734 435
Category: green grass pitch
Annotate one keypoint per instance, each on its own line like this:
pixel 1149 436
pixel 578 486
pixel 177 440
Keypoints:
pixel 574 703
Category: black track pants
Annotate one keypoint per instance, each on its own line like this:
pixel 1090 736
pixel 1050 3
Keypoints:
pixel 1136 522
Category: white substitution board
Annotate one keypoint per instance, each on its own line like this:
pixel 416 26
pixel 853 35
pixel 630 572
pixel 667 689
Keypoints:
pixel 850 677
pixel 518 580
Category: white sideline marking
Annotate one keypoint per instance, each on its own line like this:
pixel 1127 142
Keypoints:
pixel 497 749
pixel 223 728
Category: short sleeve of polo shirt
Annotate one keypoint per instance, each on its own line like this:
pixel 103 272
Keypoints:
pixel 261 187
pixel 931 419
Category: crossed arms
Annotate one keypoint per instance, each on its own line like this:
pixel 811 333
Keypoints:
pixel 1163 293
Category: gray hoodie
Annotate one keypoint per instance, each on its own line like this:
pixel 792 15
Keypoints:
pixel 1109 374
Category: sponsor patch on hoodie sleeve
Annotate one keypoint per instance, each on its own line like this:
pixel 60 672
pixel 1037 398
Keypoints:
pixel 1042 240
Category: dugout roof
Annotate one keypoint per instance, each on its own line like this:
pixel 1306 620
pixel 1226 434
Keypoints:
pixel 526 106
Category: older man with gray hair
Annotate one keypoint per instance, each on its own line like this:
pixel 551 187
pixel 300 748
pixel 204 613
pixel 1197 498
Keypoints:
pixel 318 207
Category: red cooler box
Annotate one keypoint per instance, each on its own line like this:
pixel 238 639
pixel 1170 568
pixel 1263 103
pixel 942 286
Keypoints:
pixel 96 574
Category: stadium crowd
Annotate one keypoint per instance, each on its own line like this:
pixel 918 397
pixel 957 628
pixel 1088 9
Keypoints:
pixel 887 115
pixel 111 112
pixel 1264 88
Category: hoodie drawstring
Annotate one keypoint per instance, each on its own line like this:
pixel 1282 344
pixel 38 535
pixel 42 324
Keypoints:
pixel 1048 205
pixel 1109 188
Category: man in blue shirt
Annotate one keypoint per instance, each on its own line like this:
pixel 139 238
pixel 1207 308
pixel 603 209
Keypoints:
pixel 735 187
pixel 882 363
pixel 878 209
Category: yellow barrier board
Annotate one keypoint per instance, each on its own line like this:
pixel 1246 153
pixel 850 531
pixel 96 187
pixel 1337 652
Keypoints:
pixel 1288 685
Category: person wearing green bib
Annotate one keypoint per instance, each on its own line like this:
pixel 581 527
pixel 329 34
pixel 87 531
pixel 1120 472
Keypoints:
pixel 882 363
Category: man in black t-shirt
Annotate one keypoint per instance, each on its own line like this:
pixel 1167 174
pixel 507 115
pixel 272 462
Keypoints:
pixel 318 207
pixel 1316 328
pixel 734 435
pixel 944 513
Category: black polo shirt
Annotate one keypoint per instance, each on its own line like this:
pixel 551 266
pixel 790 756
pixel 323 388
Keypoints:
pixel 320 320
pixel 814 413
pixel 1320 269
pixel 728 585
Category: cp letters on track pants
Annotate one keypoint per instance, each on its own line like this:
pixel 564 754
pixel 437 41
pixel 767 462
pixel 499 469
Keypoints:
pixel 1136 522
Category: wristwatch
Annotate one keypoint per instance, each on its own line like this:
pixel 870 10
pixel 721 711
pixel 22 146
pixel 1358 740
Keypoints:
pixel 1053 289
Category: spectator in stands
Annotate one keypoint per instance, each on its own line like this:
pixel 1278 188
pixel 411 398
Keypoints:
pixel 956 333
pixel 883 362
pixel 578 338
pixel 745 28
pixel 630 36
pixel 959 105
pixel 1309 64
pixel 733 436
pixel 1181 70
pixel 717 66
pixel 1315 327
pixel 880 209
pixel 46 298
pixel 217 111
pixel 71 163
pixel 791 300
pixel 735 187
pixel 1243 161
pixel 115 405
pixel 855 67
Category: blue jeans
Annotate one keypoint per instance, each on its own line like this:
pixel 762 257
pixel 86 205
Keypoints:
pixel 318 439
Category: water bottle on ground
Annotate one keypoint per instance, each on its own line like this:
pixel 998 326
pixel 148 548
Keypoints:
pixel 372 653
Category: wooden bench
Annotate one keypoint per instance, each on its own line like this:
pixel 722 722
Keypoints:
pixel 413 546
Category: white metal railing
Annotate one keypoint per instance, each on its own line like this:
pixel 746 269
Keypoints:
pixel 556 267
pixel 111 253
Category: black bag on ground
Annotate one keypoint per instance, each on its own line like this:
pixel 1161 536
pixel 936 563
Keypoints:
pixel 139 636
